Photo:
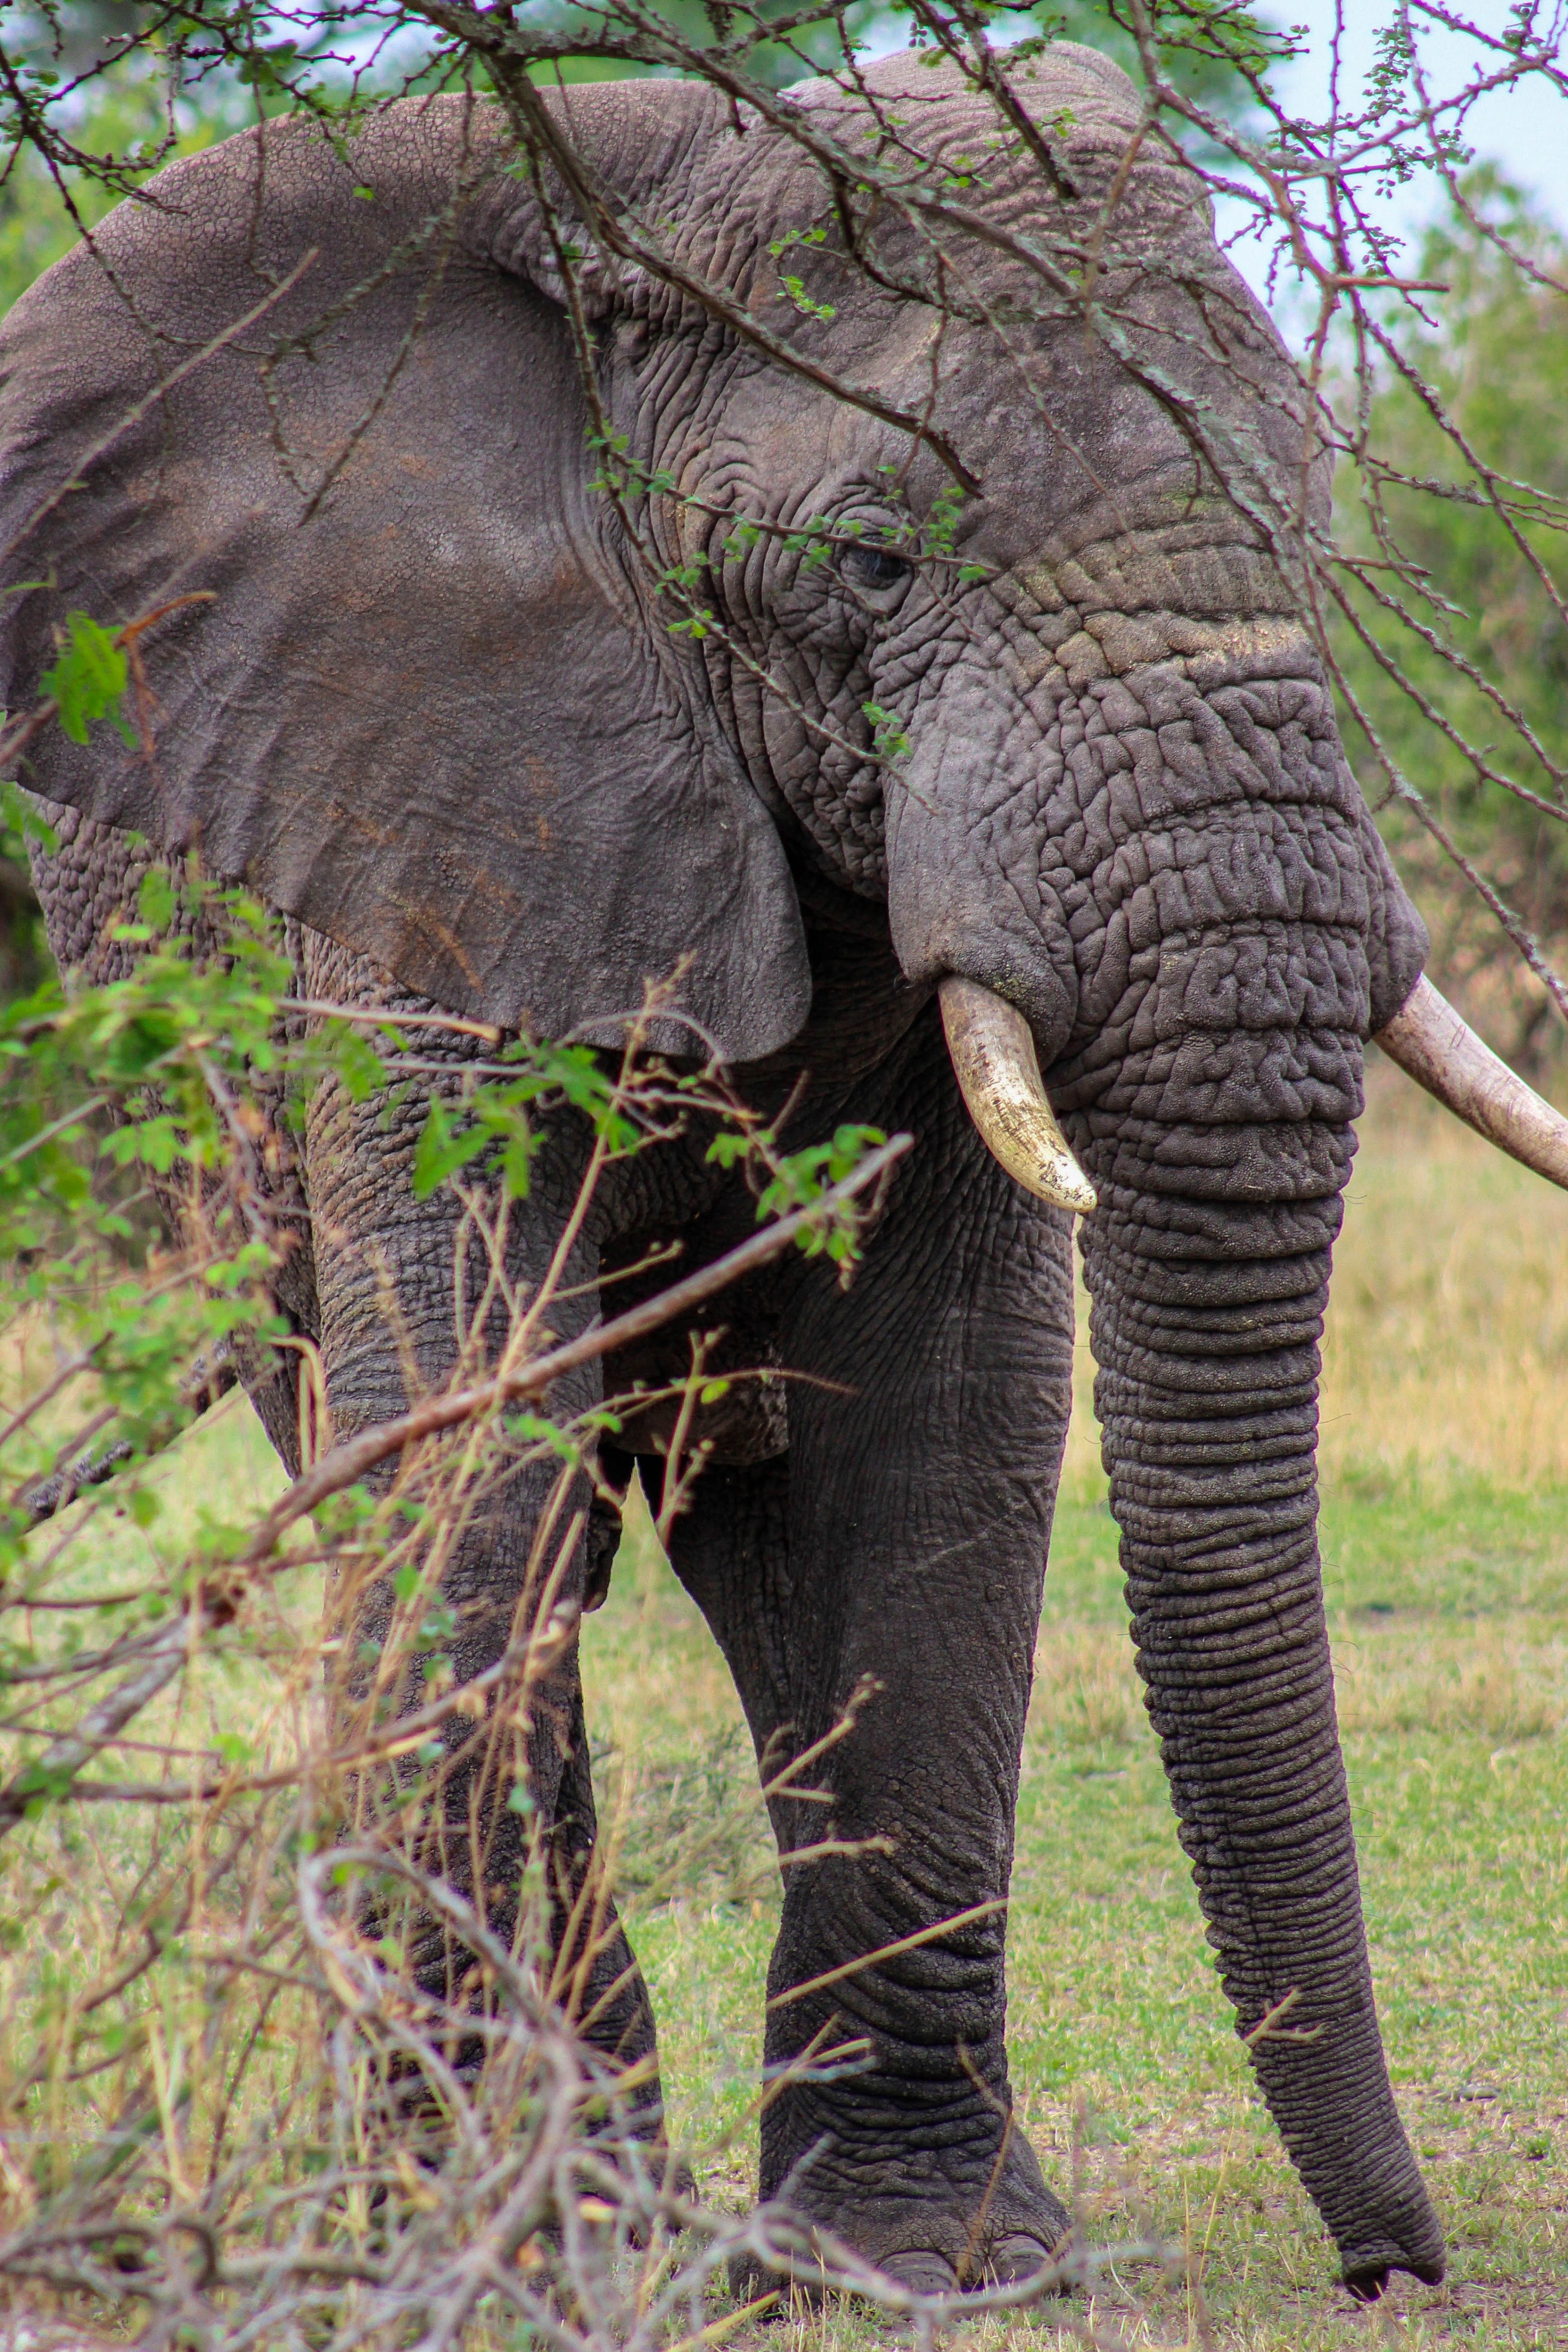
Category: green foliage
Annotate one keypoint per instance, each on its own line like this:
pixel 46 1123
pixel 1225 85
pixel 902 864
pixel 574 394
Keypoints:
pixel 24 959
pixel 1482 586
pixel 89 679
pixel 493 1124
pixel 122 118
pixel 97 1090
pixel 156 1077
pixel 799 1180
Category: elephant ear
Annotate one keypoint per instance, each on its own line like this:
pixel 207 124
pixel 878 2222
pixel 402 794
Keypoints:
pixel 430 717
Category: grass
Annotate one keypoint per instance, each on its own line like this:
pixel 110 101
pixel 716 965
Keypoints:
pixel 1446 1479
pixel 1445 1562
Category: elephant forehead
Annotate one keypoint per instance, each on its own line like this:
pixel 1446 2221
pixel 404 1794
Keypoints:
pixel 1042 415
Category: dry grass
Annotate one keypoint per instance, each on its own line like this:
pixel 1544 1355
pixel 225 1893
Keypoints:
pixel 1498 1682
pixel 1446 1350
pixel 1446 1478
pixel 1446 1472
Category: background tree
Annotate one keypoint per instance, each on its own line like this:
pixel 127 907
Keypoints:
pixel 1487 595
pixel 1446 377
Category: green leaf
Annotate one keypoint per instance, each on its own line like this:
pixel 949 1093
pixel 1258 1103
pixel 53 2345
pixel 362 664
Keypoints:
pixel 441 1150
pixel 89 679
pixel 18 815
pixel 727 1149
pixel 359 1068
pixel 155 899
pixel 517 1165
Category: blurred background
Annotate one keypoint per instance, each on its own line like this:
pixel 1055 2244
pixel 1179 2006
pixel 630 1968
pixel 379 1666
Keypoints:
pixel 1445 1433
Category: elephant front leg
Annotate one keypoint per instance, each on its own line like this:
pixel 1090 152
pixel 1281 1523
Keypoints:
pixel 917 1585
pixel 507 1820
pixel 893 1569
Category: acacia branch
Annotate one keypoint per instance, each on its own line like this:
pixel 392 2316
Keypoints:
pixel 348 1462
pixel 164 1650
pixel 47 1775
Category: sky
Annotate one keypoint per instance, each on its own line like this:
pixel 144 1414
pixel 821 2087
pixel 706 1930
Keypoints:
pixel 1525 129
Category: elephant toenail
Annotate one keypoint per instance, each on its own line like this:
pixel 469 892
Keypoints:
pixel 921 2270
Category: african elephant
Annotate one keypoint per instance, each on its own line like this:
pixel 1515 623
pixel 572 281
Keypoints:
pixel 440 717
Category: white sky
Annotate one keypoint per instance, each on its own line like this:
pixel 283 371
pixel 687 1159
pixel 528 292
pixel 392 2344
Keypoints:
pixel 1524 128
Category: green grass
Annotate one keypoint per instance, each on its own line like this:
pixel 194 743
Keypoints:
pixel 1124 2057
pixel 1445 1556
pixel 1448 1591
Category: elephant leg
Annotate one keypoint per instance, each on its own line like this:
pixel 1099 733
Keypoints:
pixel 893 1565
pixel 602 1542
pixel 729 1548
pixel 399 1286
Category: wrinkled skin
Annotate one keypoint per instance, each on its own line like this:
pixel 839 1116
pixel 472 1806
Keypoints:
pixel 461 745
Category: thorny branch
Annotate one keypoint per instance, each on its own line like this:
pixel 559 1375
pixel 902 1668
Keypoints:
pixel 300 2132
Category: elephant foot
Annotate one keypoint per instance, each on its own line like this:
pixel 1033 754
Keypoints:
pixel 1006 2256
pixel 1016 2258
pixel 935 2185
pixel 1009 2261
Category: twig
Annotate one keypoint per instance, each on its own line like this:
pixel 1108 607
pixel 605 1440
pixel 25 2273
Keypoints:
pixel 348 1462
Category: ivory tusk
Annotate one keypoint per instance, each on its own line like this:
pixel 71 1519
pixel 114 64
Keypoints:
pixel 1443 1053
pixel 999 1077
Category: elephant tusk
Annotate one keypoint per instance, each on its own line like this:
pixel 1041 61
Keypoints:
pixel 999 1077
pixel 1443 1053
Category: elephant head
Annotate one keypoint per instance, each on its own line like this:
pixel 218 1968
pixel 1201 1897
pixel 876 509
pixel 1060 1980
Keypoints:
pixel 953 568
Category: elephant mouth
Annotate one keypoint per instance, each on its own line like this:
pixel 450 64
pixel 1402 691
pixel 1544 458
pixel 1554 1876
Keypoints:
pixel 998 1074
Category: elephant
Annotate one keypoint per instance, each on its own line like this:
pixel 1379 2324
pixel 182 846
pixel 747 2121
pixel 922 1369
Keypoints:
pixel 1024 827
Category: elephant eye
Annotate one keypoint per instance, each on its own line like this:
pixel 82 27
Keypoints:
pixel 872 568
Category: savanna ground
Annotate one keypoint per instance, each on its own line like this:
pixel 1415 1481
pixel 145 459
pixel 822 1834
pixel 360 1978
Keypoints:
pixel 1445 1558
pixel 1446 1553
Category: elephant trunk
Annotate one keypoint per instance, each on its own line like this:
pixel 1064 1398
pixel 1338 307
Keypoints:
pixel 1189 909
pixel 1207 1308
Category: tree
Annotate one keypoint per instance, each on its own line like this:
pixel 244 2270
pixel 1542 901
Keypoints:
pixel 1449 572
pixel 1461 488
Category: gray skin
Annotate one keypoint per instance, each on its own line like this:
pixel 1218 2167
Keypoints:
pixel 445 726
